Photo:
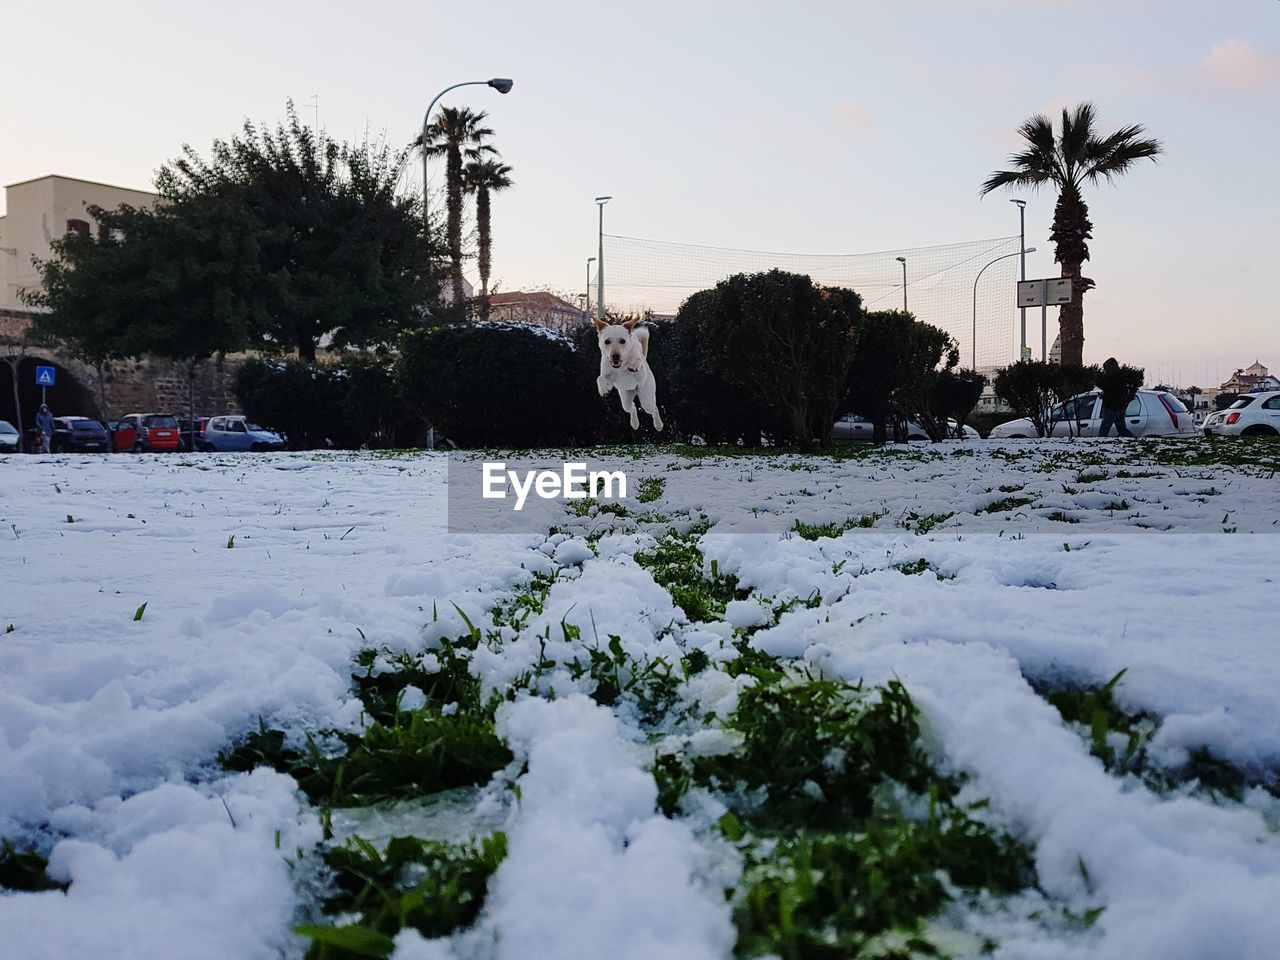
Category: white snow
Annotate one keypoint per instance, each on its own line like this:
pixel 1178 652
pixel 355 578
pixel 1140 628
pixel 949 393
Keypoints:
pixel 109 726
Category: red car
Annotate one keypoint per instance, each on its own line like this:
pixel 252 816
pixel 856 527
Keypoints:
pixel 146 433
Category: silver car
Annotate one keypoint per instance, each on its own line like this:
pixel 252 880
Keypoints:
pixel 854 427
pixel 1151 413
pixel 1252 415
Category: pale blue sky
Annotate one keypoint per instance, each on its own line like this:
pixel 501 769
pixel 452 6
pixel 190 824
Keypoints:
pixel 820 127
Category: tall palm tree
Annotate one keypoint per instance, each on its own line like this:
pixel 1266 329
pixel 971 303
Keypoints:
pixel 486 176
pixel 1068 160
pixel 457 131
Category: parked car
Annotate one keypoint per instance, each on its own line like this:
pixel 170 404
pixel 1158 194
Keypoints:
pixel 10 439
pixel 78 435
pixel 146 433
pixel 857 428
pixel 223 434
pixel 1151 413
pixel 1252 415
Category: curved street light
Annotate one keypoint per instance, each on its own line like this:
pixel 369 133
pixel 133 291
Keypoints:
pixel 501 84
pixel 973 356
pixel 903 261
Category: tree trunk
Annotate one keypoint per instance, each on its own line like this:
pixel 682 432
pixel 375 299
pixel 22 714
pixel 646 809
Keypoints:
pixel 1071 317
pixel 455 222
pixel 306 349
pixel 191 403
pixel 102 390
pixel 17 402
pixel 1071 233
pixel 485 264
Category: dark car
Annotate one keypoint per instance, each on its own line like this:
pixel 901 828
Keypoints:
pixel 78 435
pixel 191 433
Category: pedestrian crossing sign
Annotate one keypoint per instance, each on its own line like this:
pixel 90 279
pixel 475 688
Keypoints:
pixel 45 376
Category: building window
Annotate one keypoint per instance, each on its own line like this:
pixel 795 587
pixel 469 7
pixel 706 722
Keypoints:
pixel 77 228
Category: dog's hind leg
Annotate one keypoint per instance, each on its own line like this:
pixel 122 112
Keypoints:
pixel 628 398
pixel 648 396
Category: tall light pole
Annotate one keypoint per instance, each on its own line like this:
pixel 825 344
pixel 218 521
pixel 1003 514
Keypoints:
pixel 501 84
pixel 1022 269
pixel 973 356
pixel 600 202
pixel 903 261
pixel 590 261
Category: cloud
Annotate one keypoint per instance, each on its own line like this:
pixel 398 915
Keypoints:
pixel 1237 65
pixel 853 117
pixel 1233 66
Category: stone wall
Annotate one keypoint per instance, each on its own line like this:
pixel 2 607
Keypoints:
pixel 144 385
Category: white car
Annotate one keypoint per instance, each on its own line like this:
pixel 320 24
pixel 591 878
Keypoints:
pixel 1151 413
pixel 853 427
pixel 1252 415
pixel 9 439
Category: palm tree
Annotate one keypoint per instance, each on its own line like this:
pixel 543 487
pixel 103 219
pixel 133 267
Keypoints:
pixel 1069 160
pixel 484 177
pixel 457 131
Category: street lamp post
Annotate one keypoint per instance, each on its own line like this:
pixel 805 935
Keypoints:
pixel 600 202
pixel 501 84
pixel 903 261
pixel 590 261
pixel 1022 269
pixel 973 356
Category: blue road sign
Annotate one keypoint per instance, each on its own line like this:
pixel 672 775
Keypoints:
pixel 45 376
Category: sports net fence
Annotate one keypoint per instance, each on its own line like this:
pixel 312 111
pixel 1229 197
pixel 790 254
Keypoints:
pixel 657 276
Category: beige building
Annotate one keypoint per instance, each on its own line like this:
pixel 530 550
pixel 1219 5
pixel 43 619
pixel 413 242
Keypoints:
pixel 41 210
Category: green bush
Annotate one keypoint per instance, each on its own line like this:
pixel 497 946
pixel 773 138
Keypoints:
pixel 699 400
pixel 349 403
pixel 498 385
pixel 781 341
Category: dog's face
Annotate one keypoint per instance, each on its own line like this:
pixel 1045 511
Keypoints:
pixel 618 342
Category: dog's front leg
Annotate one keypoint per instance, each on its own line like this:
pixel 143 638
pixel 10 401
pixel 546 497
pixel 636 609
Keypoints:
pixel 603 385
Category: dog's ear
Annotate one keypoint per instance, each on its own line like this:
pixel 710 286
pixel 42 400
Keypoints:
pixel 600 324
pixel 631 324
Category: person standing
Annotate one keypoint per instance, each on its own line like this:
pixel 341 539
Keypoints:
pixel 44 428
pixel 1116 395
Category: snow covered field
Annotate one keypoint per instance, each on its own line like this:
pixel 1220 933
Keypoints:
pixel 163 608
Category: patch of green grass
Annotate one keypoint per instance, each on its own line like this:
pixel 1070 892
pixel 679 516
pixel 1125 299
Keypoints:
pixel 448 742
pixel 819 748
pixel 650 489
pixel 816 531
pixel 1095 711
pixel 1061 517
pixel 923 523
pixel 429 886
pixel 676 563
pixel 869 892
pixel 1007 503
pixel 833 868
pixel 650 684
pixel 24 870
pixel 1117 505
pixel 914 567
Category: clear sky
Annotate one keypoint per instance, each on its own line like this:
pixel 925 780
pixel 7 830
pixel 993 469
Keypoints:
pixel 808 126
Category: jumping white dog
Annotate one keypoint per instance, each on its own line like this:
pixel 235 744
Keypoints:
pixel 624 365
